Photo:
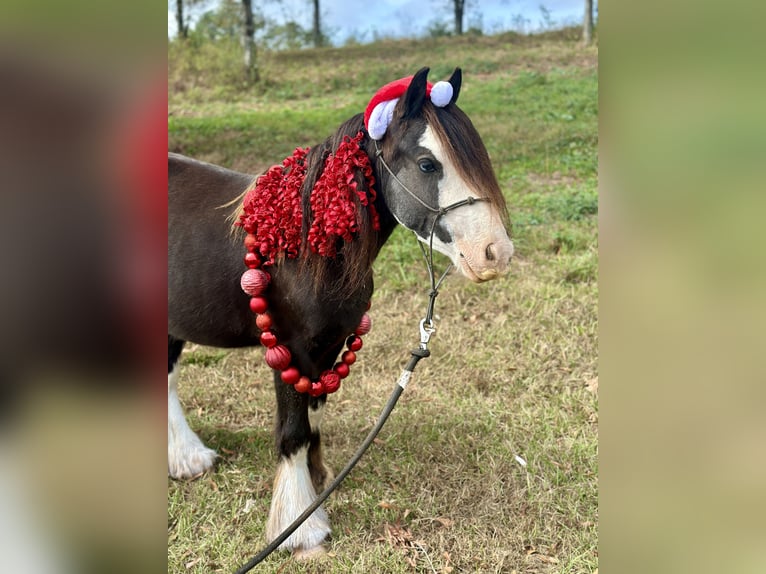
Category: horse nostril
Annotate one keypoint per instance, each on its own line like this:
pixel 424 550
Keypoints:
pixel 490 252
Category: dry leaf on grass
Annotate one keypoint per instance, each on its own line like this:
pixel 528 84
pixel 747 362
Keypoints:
pixel 396 535
pixel 532 552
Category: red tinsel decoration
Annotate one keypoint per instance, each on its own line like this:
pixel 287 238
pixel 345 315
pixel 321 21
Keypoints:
pixel 332 202
pixel 272 209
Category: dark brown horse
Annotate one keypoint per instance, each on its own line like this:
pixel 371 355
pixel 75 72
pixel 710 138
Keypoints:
pixel 429 158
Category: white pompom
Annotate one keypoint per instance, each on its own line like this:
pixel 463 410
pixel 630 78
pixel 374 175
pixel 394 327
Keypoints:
pixel 441 94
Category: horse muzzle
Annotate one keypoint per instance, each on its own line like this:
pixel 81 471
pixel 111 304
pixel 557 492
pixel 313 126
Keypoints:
pixel 486 262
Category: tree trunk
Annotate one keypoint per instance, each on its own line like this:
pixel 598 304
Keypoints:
pixel 317 27
pixel 587 27
pixel 459 6
pixel 248 44
pixel 183 31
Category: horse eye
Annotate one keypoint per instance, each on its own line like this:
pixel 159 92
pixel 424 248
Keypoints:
pixel 426 166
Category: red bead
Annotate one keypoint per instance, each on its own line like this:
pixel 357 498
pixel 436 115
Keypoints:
pixel 263 321
pixel 278 357
pixel 342 369
pixel 369 304
pixel 317 389
pixel 268 339
pixel 250 242
pixel 354 343
pixel 348 358
pixel 331 381
pixel 249 227
pixel 364 325
pixel 291 375
pixel 258 305
pixel 251 260
pixel 254 282
pixel 303 385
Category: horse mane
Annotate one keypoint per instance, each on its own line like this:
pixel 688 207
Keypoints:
pixel 351 266
pixel 344 273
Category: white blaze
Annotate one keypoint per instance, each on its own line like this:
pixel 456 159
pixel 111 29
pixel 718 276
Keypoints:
pixel 472 227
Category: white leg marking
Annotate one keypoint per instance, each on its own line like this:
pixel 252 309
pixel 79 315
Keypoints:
pixel 187 456
pixel 315 417
pixel 293 493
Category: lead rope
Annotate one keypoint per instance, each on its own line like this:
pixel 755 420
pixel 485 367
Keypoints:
pixel 427 329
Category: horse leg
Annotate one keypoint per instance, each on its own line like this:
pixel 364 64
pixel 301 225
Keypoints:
pixel 187 455
pixel 294 487
pixel 321 474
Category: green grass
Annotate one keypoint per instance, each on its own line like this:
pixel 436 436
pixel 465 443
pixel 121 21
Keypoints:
pixel 513 370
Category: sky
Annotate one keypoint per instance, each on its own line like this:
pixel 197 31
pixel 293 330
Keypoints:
pixel 365 19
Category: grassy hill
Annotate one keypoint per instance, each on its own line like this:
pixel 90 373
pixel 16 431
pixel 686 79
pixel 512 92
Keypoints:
pixel 513 370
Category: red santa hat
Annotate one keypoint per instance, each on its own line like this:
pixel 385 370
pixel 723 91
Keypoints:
pixel 380 110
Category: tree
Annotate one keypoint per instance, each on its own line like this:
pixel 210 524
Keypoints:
pixel 183 28
pixel 182 8
pixel 459 6
pixel 248 43
pixel 287 36
pixel 587 28
pixel 317 28
pixel 224 22
pixel 458 11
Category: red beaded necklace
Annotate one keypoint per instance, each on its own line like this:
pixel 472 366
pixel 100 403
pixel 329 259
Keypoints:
pixel 272 217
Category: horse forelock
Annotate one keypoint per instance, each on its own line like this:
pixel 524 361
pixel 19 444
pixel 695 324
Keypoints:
pixel 467 153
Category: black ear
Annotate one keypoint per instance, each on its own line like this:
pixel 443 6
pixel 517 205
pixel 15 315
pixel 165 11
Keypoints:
pixel 415 95
pixel 456 80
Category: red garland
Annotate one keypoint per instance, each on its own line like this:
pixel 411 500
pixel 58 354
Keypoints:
pixel 272 209
pixel 272 217
pixel 332 200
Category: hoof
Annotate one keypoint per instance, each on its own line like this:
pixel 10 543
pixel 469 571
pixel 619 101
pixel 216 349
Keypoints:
pixel 190 463
pixel 305 554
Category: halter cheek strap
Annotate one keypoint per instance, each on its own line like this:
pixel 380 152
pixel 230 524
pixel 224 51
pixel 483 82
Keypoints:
pixel 438 211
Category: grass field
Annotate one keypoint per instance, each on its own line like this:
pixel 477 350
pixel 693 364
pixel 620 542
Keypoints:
pixel 513 371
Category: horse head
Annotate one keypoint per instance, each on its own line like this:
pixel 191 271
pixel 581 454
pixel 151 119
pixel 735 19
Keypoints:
pixel 438 180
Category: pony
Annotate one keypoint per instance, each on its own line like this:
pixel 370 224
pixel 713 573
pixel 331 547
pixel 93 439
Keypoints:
pixel 413 159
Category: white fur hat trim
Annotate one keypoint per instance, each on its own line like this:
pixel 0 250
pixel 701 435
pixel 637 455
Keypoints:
pixel 380 118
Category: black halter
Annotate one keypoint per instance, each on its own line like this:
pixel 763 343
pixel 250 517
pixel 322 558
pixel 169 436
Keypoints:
pixel 438 211
pixel 429 256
